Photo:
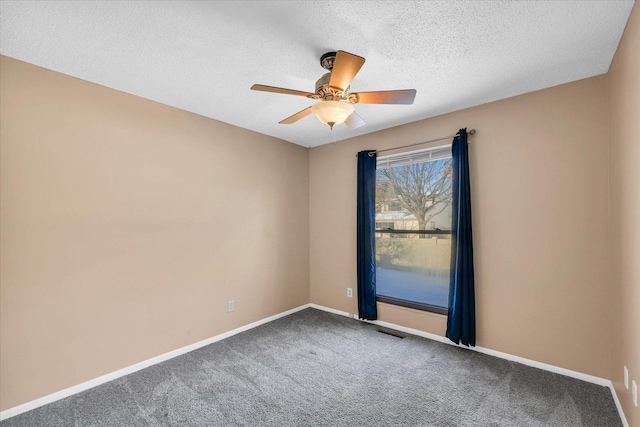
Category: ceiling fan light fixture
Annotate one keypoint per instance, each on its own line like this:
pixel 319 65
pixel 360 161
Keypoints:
pixel 332 112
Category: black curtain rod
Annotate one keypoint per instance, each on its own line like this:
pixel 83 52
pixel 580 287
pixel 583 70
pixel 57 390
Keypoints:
pixel 471 132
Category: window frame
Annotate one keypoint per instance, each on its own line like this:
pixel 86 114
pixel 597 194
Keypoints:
pixel 412 304
pixel 405 158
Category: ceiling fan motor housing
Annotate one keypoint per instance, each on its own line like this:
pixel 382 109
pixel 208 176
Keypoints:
pixel 323 82
pixel 329 93
pixel 323 90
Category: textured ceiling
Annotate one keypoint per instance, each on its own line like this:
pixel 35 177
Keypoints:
pixel 204 56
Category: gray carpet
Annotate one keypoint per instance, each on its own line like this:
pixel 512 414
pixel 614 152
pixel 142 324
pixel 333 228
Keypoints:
pixel 318 369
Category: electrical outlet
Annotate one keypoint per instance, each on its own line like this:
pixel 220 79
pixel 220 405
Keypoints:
pixel 349 292
pixel 231 306
pixel 634 393
pixel 626 377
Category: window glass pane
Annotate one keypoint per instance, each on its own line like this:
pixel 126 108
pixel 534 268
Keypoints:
pixel 414 266
pixel 413 269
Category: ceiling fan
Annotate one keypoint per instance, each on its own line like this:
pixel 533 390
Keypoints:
pixel 333 91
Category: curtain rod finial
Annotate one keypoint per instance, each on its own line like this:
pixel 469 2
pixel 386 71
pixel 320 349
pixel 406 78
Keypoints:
pixel 472 132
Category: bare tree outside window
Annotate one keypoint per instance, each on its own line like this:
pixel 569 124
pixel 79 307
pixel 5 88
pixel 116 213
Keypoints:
pixel 423 189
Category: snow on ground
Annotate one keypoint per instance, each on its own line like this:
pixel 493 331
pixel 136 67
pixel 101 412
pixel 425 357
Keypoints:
pixel 412 286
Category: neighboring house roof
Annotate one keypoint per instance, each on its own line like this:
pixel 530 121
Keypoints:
pixel 394 216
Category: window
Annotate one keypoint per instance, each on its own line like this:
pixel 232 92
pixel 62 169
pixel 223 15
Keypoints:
pixel 413 240
pixel 395 205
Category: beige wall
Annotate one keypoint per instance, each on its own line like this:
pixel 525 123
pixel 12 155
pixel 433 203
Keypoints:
pixel 539 198
pixel 125 232
pixel 127 225
pixel 624 152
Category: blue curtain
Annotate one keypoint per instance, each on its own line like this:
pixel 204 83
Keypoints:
pixel 366 235
pixel 461 320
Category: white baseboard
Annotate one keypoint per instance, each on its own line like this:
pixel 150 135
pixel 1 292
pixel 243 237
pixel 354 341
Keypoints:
pixel 16 410
pixel 618 405
pixel 544 366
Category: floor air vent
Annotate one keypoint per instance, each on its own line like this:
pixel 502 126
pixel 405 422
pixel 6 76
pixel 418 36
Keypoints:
pixel 392 333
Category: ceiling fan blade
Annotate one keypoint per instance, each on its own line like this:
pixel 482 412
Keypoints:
pixel 280 90
pixel 345 67
pixel 386 97
pixel 297 116
pixel 354 121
